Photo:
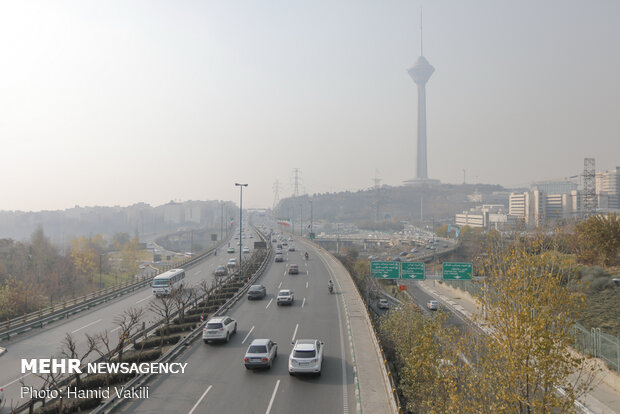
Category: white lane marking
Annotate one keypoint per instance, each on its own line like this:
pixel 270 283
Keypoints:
pixel 197 273
pixel 294 333
pixel 200 399
pixel 284 273
pixel 280 285
pixel 303 302
pixel 269 303
pixel 246 337
pixel 115 329
pixel 306 285
pixel 14 381
pixel 86 326
pixel 273 397
pixel 142 300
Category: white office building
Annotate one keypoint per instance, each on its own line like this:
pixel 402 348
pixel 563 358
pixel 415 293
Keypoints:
pixel 608 187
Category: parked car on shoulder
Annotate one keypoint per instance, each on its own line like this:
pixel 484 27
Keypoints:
pixel 219 329
pixel 257 292
pixel 260 354
pixel 306 357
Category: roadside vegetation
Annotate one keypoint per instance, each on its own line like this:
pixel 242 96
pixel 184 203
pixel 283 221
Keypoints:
pixel 532 295
pixel 36 273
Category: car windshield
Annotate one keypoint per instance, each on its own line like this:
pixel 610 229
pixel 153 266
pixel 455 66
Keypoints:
pixel 284 293
pixel 214 325
pixel 161 282
pixel 257 349
pixel 304 354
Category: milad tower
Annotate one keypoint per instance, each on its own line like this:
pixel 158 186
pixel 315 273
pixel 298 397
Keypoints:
pixel 421 72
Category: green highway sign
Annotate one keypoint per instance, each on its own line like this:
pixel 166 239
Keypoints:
pixel 385 270
pixel 412 270
pixel 457 271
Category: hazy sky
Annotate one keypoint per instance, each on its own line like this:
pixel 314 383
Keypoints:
pixel 116 102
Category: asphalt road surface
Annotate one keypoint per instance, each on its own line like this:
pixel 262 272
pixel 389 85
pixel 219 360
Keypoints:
pixel 46 342
pixel 216 380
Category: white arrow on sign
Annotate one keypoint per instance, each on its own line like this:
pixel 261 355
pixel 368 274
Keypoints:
pixel 384 276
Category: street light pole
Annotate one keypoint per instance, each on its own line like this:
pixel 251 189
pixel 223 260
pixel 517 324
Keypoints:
pixel 311 228
pixel 240 222
pixel 222 221
pixel 100 286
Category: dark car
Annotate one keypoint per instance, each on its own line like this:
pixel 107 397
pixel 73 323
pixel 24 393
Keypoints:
pixel 221 271
pixel 257 292
pixel 293 269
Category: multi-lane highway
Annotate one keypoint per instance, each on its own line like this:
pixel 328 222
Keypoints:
pixel 46 342
pixel 216 380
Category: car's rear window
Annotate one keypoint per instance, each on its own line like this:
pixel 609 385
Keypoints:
pixel 304 354
pixel 256 288
pixel 257 349
pixel 213 325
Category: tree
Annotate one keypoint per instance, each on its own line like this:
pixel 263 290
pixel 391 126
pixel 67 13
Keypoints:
pixel 129 256
pixel 599 239
pixel 84 256
pixel 532 310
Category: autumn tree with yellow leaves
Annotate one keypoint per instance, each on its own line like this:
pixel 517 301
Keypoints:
pixel 525 365
pixel 530 308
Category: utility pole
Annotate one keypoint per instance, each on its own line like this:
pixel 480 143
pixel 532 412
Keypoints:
pixel 240 222
pixel 301 220
pixel 311 228
pixel 296 182
pixel 221 220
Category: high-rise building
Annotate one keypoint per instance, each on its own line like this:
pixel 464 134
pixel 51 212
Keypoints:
pixel 608 186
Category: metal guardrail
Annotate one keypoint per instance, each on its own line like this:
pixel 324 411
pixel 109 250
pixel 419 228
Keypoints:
pixel 112 403
pixel 42 317
pixel 386 367
pixel 145 332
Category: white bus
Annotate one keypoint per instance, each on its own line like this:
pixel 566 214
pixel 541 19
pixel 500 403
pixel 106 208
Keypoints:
pixel 164 283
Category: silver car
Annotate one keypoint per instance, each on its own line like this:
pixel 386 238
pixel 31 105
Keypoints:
pixel 260 354
pixel 306 357
pixel 432 305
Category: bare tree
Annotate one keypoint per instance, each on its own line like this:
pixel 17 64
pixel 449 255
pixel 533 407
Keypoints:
pixel 164 307
pixel 183 297
pixel 129 322
pixel 70 350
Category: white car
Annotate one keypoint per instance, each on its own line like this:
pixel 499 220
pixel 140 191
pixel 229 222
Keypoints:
pixel 231 263
pixel 432 305
pixel 285 297
pixel 306 357
pixel 219 329
pixel 1 396
pixel 246 250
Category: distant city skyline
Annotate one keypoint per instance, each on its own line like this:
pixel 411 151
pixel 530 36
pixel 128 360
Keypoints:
pixel 116 103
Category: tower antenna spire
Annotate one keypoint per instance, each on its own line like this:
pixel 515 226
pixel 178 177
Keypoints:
pixel 421 44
